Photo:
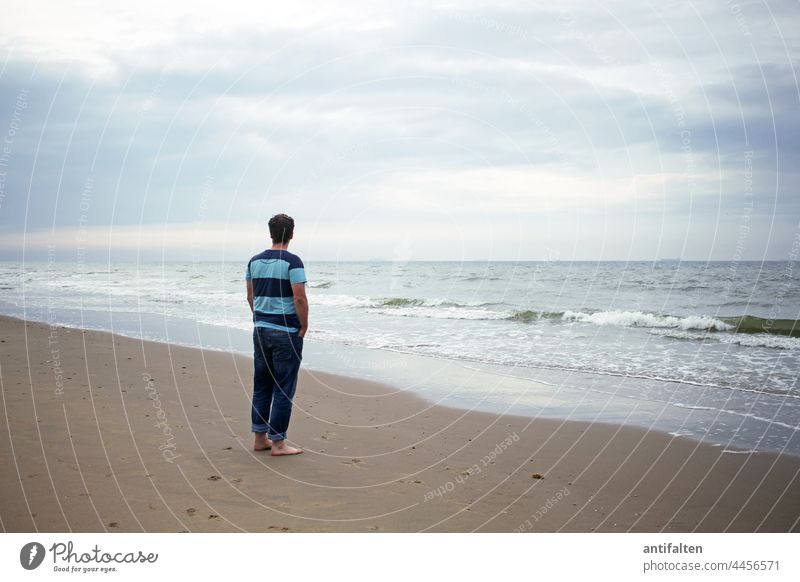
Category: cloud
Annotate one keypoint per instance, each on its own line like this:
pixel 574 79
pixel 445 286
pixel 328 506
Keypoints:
pixel 447 110
pixel 508 190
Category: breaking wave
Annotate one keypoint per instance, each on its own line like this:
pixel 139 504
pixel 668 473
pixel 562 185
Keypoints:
pixel 744 324
pixel 641 319
pixel 753 324
pixel 451 309
pixel 761 340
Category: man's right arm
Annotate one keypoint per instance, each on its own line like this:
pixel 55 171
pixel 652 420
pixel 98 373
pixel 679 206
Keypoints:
pixel 301 306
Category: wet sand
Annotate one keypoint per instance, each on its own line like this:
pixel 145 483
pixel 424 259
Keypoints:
pixel 106 433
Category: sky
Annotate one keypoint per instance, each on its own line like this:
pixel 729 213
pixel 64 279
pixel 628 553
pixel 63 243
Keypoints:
pixel 469 130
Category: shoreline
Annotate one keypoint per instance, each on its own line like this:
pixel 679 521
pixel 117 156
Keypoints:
pixel 557 394
pixel 155 437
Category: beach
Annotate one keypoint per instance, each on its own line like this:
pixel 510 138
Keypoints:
pixel 109 433
pixel 678 348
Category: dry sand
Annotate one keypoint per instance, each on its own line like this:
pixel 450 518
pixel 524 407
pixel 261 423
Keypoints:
pixel 105 433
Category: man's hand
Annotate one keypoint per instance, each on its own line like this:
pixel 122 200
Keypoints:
pixel 302 331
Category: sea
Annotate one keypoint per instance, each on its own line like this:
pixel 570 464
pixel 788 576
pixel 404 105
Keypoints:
pixel 708 351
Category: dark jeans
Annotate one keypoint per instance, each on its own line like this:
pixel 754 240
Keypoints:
pixel 277 360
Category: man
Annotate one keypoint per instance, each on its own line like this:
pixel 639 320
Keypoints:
pixel 276 293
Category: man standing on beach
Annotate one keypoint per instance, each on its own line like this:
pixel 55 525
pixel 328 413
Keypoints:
pixel 276 293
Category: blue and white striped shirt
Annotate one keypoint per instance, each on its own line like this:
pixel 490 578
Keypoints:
pixel 273 273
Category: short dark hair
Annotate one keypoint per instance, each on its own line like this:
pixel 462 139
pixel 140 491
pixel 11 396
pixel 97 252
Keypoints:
pixel 281 228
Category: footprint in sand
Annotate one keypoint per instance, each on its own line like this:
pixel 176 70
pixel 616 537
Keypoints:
pixel 214 478
pixel 191 511
pixel 353 462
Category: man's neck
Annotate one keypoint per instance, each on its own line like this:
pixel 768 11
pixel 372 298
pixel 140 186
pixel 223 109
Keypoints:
pixel 280 247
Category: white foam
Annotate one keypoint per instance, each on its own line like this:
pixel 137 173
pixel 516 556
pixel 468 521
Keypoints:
pixel 442 312
pixel 641 319
pixel 756 340
pixel 770 421
pixel 692 407
pixel 425 308
pixel 762 340
pixel 235 323
pixel 334 300
pixel 681 433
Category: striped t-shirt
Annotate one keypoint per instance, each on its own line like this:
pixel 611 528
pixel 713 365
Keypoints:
pixel 273 273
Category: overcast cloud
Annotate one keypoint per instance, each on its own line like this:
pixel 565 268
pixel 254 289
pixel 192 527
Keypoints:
pixel 453 130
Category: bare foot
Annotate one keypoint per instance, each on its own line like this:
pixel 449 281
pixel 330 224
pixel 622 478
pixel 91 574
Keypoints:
pixel 280 449
pixel 262 443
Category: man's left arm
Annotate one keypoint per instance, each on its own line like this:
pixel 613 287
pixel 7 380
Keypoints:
pixel 297 279
pixel 250 294
pixel 301 306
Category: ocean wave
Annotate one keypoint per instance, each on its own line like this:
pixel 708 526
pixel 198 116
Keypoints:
pixel 321 285
pixel 439 312
pixel 416 302
pixel 397 304
pixel 760 340
pixel 761 329
pixel 626 319
pixel 753 324
pixel 529 315
pixel 400 302
pixel 743 324
pixel 642 319
pixel 342 300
